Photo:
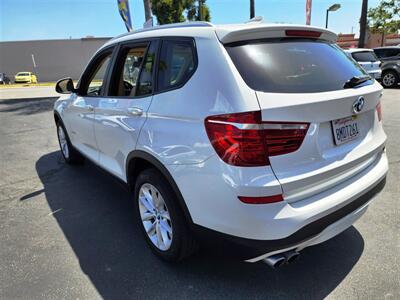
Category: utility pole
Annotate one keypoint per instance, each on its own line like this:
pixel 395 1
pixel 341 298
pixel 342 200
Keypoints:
pixel 252 10
pixel 363 24
pixel 200 10
pixel 147 9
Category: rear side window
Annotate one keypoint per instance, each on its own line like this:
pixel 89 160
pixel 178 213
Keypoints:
pixel 293 66
pixel 145 84
pixel 177 63
pixel 364 56
pixel 126 71
pixel 382 53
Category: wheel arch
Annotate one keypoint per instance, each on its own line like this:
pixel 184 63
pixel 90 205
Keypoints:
pixel 391 68
pixel 138 161
pixel 57 117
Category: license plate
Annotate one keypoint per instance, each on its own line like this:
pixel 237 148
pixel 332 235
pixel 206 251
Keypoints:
pixel 377 75
pixel 345 129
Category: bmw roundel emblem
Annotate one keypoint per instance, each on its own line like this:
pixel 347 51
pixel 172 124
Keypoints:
pixel 358 105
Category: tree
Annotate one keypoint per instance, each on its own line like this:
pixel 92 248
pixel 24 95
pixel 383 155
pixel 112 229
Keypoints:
pixel 198 11
pixel 385 18
pixel 171 11
pixel 363 24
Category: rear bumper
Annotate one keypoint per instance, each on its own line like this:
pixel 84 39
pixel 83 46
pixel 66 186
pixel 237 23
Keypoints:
pixel 311 234
pixel 212 198
pixel 375 74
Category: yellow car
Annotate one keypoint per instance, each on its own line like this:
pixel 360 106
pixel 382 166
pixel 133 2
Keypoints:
pixel 26 77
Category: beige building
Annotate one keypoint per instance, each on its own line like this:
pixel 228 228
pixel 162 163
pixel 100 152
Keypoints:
pixel 49 59
pixel 373 40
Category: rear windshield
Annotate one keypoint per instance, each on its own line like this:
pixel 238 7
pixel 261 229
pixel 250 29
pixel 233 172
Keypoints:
pixel 293 66
pixel 23 74
pixel 364 56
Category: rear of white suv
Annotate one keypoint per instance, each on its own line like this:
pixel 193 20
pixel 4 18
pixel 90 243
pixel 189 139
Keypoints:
pixel 267 136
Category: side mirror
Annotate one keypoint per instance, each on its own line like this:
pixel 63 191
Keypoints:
pixel 65 86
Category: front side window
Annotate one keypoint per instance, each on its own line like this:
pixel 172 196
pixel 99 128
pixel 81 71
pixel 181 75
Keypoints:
pixel 96 78
pixel 293 65
pixel 176 64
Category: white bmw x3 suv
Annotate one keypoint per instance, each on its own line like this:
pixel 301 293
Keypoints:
pixel 267 138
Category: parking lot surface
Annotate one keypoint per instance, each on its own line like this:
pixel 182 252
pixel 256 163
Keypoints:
pixel 17 92
pixel 68 232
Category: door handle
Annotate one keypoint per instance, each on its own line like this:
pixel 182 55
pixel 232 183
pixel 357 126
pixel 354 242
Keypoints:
pixel 135 111
pixel 90 107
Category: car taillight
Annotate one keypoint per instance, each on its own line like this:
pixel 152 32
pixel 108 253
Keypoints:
pixel 379 111
pixel 242 139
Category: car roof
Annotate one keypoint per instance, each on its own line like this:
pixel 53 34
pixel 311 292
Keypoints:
pixel 226 33
pixel 352 50
pixel 387 47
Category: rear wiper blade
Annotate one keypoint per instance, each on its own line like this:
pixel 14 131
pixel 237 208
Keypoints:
pixel 356 80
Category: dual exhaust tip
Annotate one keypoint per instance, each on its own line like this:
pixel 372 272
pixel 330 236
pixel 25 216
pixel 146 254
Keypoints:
pixel 280 259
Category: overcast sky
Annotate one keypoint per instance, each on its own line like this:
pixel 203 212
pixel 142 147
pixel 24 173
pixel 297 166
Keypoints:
pixel 52 19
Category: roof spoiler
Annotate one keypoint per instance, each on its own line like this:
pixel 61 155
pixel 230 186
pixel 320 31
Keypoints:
pixel 257 31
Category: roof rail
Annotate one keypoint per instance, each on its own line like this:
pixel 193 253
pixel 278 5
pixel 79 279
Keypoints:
pixel 167 26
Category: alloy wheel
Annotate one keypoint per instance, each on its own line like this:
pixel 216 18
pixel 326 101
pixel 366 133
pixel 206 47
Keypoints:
pixel 63 142
pixel 155 217
pixel 389 79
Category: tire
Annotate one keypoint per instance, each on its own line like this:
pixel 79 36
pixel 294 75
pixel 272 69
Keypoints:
pixel 390 79
pixel 177 241
pixel 69 153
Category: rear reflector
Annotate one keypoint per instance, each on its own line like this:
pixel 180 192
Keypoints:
pixel 242 139
pixel 261 200
pixel 303 33
pixel 379 111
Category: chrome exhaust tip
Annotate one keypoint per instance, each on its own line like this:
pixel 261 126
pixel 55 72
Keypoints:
pixel 278 260
pixel 291 256
pixel 275 261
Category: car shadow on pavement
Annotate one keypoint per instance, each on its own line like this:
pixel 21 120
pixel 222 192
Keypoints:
pixel 95 214
pixel 27 106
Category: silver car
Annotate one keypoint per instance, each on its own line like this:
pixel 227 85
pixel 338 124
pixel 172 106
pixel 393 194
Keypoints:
pixel 367 59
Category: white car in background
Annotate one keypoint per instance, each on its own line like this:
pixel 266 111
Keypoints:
pixel 268 137
pixel 366 59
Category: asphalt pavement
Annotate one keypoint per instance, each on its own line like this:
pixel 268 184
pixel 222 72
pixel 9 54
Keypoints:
pixel 27 92
pixel 68 232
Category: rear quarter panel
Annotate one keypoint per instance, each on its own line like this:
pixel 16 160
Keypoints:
pixel 174 131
